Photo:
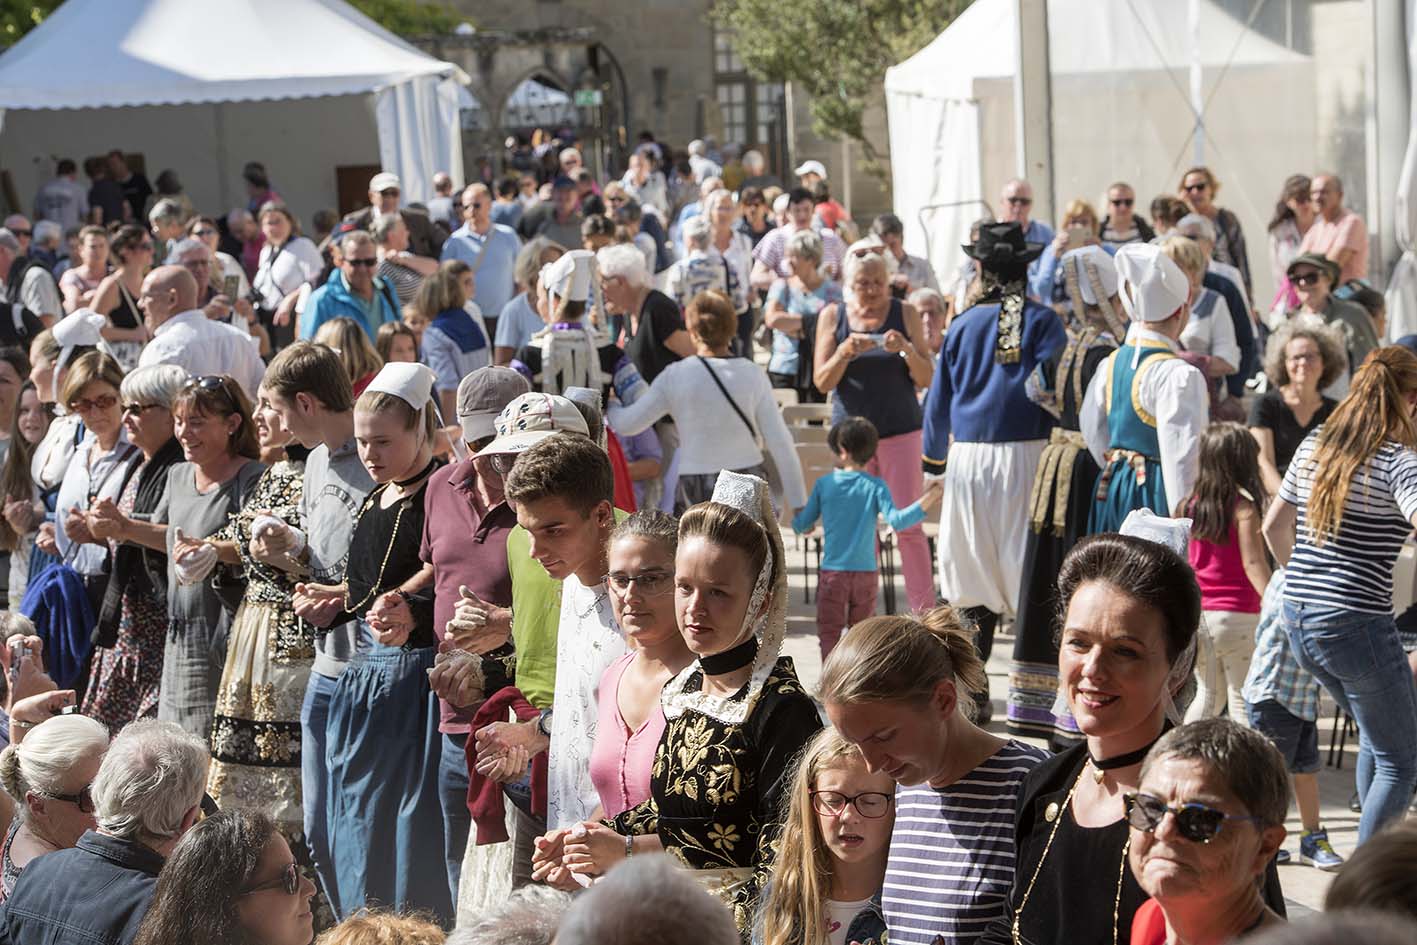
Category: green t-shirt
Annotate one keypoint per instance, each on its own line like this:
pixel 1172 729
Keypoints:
pixel 536 614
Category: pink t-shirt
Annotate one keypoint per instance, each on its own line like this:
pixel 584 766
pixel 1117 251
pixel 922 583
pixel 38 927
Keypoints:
pixel 1347 232
pixel 1220 572
pixel 620 760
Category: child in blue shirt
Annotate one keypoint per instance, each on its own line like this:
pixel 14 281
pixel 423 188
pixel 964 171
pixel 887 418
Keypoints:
pixel 848 502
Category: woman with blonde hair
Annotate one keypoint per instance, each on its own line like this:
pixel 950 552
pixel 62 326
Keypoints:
pixel 1344 509
pixel 832 859
pixel 899 689
pixel 1079 227
pixel 383 928
pixel 1198 188
pixel 347 339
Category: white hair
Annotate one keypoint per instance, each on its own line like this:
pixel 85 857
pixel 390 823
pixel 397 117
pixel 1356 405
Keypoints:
pixel 925 294
pixel 154 773
pixel 48 233
pixel 154 384
pixel 1197 227
pixel 754 158
pixel 529 916
pixel 806 244
pixel 697 148
pixel 41 764
pixel 647 900
pixel 709 184
pixel 184 246
pixel 696 232
pixel 8 241
pixel 165 210
pixel 625 261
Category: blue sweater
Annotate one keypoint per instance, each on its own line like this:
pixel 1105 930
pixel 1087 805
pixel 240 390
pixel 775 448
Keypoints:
pixel 848 502
pixel 978 400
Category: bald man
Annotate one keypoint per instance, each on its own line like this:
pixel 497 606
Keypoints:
pixel 183 335
pixel 1337 232
pixel 489 248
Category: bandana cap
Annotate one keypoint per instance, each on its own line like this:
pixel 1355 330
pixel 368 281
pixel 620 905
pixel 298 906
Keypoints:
pixel 410 382
pixel 1100 262
pixel 1153 286
pixel 569 277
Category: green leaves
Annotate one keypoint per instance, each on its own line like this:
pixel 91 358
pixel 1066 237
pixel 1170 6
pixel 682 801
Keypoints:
pixel 835 50
pixel 409 17
pixel 18 17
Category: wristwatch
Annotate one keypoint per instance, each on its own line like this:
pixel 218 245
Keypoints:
pixel 543 723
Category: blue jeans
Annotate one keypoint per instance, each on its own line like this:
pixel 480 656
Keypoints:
pixel 457 820
pixel 1357 657
pixel 314 777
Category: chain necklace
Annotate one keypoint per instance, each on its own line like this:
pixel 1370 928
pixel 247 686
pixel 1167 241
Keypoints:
pixel 1057 822
pixel 404 503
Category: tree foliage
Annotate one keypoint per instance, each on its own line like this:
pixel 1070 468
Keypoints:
pixel 835 50
pixel 405 17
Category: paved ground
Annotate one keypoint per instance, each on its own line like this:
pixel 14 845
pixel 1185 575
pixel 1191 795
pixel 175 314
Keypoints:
pixel 1304 886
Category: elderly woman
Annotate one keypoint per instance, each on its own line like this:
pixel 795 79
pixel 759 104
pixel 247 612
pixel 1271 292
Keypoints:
pixel 1314 278
pixel 1198 188
pixel 871 350
pixel 397 266
pixel 519 319
pixel 656 333
pixel 1079 227
pixel 1130 611
pixel 793 307
pixel 736 248
pixel 1206 820
pixel 287 261
pixel 49 776
pixel 98 470
pixel 232 878
pixel 81 281
pixel 933 316
pixel 1302 359
pixel 132 628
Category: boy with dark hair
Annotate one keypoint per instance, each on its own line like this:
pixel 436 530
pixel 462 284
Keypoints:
pixel 848 501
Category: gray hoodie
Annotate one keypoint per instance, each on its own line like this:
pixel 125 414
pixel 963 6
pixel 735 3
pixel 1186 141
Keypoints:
pixel 336 485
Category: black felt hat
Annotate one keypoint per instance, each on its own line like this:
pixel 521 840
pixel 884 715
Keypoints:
pixel 1002 248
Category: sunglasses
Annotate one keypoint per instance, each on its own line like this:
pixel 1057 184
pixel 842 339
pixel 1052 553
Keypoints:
pixel 1020 201
pixel 22 232
pixel 139 409
pixel 1124 202
pixel 83 800
pixel 1194 188
pixel 1309 277
pixel 1198 823
pixel 391 192
pixel 101 402
pixel 363 263
pixel 288 883
pixel 872 805
pixel 212 383
pixel 204 231
pixel 650 583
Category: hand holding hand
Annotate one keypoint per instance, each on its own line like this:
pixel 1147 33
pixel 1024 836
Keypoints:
pixel 457 678
pixel 591 849
pixel 76 526
pixel 45 540
pixel 391 619
pixel 503 767
pixel 477 626
pixel 933 494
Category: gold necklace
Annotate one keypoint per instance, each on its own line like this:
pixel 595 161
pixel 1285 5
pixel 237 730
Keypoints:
pixel 374 588
pixel 1057 822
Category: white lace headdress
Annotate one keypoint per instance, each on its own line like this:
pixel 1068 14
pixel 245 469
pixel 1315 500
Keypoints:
pixel 751 496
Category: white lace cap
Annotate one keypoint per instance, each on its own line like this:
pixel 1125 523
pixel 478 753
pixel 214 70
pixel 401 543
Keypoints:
pixel 751 496
pixel 1174 533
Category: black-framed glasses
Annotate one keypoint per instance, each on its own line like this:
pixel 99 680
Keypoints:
pixel 1308 277
pixel 139 409
pixel 872 805
pixel 369 263
pixel 1198 823
pixel 1195 188
pixel 1020 201
pixel 649 583
pixel 214 383
pixel 83 800
pixel 288 882
pixel 19 233
pixel 204 231
pixel 1124 201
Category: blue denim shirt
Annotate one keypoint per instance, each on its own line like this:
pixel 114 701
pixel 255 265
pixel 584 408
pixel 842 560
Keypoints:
pixel 94 894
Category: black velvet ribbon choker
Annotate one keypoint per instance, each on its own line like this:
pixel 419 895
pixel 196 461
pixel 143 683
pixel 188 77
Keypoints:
pixel 405 483
pixel 720 664
pixel 1130 758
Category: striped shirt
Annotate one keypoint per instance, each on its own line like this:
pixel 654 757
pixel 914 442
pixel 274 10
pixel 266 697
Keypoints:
pixel 952 851
pixel 1353 569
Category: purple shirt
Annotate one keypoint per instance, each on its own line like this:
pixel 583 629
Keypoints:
pixel 466 546
pixel 620 760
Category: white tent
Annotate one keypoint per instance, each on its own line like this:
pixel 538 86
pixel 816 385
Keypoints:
pixel 1121 108
pixel 203 86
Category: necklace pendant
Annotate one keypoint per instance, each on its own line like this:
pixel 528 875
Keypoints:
pixel 1098 774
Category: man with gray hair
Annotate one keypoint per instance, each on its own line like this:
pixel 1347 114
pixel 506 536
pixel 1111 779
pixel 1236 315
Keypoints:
pixel 25 280
pixel 1226 280
pixel 353 291
pixel 165 222
pixel 700 163
pixel 647 900
pixel 48 238
pixel 442 206
pixel 148 793
pixel 530 916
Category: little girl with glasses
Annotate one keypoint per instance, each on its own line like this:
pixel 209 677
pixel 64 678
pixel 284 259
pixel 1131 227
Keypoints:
pixel 831 861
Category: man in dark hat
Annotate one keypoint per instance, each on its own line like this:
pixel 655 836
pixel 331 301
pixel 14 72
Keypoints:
pixel 978 398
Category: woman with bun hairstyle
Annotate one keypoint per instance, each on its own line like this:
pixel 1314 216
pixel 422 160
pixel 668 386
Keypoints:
pixel 49 777
pixel 898 688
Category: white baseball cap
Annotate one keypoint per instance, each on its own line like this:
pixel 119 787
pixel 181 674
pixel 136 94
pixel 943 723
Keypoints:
pixel 530 419
pixel 811 167
pixel 384 180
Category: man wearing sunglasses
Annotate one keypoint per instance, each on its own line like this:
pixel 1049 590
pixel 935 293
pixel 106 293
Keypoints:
pixel 385 194
pixel 1121 224
pixel 184 336
pixel 1016 206
pixel 353 291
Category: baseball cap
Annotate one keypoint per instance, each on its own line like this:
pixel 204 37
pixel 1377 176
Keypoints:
pixel 1322 263
pixel 530 419
pixel 382 181
pixel 483 395
pixel 811 167
pixel 562 182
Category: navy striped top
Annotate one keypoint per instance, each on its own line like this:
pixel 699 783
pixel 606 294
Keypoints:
pixel 951 861
pixel 1353 569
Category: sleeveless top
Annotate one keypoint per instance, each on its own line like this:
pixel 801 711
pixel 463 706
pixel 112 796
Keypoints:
pixel 9 872
pixel 877 383
pixel 1129 425
pixel 126 313
pixel 1220 572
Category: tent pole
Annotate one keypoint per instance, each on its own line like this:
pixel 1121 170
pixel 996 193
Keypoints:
pixel 1197 87
pixel 1033 104
pixel 1387 126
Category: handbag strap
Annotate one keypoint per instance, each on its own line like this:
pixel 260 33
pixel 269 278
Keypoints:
pixel 752 431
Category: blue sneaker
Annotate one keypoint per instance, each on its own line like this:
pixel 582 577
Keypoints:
pixel 1282 858
pixel 1316 851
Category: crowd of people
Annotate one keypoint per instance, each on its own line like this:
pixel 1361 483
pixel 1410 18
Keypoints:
pixel 425 580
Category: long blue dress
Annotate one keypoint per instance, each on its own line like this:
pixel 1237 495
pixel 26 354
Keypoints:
pixel 1132 478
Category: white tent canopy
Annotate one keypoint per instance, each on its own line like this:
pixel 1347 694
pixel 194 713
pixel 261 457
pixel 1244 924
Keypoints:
pixel 1121 108
pixel 202 86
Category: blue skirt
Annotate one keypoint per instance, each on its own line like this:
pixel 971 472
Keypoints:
pixel 385 816
pixel 1125 494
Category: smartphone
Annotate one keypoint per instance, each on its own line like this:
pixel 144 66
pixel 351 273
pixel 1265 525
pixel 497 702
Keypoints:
pixel 879 338
pixel 230 286
pixel 1078 236
pixel 19 651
